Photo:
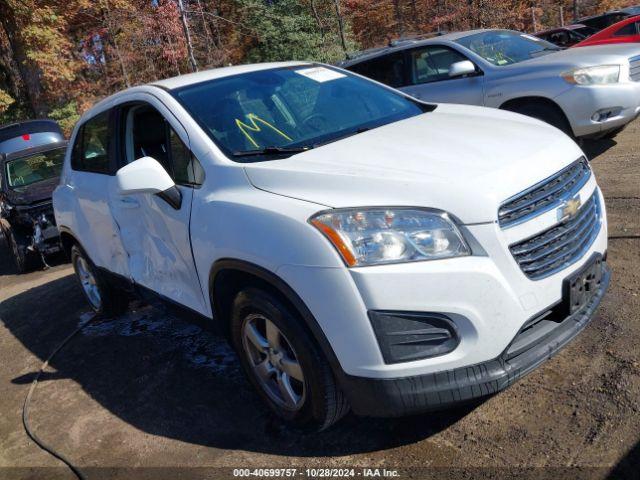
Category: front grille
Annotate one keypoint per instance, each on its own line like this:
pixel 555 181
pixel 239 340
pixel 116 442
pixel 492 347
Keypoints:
pixel 561 245
pixel 634 65
pixel 545 195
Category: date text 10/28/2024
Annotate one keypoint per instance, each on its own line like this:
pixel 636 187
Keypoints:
pixel 316 472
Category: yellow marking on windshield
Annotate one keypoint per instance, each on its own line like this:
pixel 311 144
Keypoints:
pixel 254 127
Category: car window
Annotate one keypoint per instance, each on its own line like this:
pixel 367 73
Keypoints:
pixel 627 30
pixel 187 169
pixel 290 107
pixel 575 37
pixel 91 147
pixel 148 134
pixel 35 168
pixel 431 64
pixel 388 69
pixel 504 47
pixel 586 31
pixel 560 38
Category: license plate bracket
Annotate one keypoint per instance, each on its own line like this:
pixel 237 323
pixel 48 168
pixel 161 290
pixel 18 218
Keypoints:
pixel 579 288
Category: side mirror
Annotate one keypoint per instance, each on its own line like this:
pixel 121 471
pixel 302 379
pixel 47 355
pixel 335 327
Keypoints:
pixel 146 175
pixel 460 69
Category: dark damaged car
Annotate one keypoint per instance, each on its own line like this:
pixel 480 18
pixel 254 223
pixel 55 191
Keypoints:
pixel 31 158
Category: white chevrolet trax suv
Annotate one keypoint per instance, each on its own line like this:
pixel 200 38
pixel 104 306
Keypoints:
pixel 361 248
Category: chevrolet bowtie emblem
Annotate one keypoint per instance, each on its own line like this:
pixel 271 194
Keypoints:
pixel 569 208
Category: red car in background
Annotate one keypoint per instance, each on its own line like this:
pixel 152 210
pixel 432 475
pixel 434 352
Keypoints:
pixel 626 31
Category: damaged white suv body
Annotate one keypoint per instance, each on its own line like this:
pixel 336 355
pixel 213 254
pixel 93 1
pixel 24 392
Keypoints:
pixel 361 249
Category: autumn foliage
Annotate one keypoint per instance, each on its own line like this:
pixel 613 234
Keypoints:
pixel 57 57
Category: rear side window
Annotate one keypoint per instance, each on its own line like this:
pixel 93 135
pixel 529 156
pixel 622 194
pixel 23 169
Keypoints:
pixel 388 69
pixel 628 30
pixel 91 147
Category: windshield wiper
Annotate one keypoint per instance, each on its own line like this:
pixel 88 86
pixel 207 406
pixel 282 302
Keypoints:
pixel 272 151
pixel 346 135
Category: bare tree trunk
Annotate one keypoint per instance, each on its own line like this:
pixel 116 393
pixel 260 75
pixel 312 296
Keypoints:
pixel 316 15
pixel 187 37
pixel 533 19
pixel 10 79
pixel 343 41
pixel 561 16
pixel 399 20
pixel 108 21
pixel 576 9
pixel 26 69
pixel 207 32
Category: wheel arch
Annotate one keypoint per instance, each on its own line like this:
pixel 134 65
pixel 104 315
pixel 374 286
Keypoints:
pixel 228 276
pixel 68 239
pixel 513 103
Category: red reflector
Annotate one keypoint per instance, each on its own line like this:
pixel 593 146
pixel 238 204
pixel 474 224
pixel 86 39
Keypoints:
pixel 26 137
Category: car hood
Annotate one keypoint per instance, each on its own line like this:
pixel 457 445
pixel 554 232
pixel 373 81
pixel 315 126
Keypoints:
pixel 586 56
pixel 34 193
pixel 460 159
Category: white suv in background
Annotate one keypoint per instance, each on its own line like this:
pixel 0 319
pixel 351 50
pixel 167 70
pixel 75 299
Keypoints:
pixel 362 249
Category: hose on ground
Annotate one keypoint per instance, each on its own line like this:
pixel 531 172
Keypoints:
pixel 27 402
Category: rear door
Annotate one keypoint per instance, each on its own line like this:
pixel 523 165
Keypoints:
pixel 429 80
pixel 92 172
pixel 155 234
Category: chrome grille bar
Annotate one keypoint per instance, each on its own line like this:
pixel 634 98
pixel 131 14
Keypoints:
pixel 634 68
pixel 561 245
pixel 545 195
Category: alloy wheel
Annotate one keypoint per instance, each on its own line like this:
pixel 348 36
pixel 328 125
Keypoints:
pixel 274 362
pixel 88 282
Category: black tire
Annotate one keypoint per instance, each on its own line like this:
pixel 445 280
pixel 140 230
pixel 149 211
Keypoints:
pixel 23 259
pixel 323 403
pixel 112 301
pixel 546 113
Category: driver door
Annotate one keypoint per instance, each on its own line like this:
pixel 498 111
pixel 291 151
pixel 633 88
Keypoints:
pixel 429 77
pixel 155 233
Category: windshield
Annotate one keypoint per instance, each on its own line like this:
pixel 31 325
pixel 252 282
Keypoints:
pixel 276 112
pixel 35 168
pixel 502 47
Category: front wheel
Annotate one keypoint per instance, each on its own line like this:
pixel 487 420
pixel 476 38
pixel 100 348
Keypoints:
pixel 546 113
pixel 283 361
pixel 23 259
pixel 102 297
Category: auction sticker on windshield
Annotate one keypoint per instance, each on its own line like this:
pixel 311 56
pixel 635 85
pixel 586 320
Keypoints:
pixel 320 74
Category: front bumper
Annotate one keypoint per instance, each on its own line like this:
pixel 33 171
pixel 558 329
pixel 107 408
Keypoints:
pixel 392 397
pixel 581 103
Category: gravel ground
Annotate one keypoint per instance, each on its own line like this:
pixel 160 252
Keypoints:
pixel 154 393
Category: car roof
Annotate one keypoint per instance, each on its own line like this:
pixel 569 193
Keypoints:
pixel 29 133
pixel 602 15
pixel 205 75
pixel 13 130
pixel 404 43
pixel 573 26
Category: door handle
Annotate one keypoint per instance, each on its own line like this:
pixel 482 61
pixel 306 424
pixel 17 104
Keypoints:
pixel 129 202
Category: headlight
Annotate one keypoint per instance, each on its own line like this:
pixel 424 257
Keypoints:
pixel 374 236
pixel 599 75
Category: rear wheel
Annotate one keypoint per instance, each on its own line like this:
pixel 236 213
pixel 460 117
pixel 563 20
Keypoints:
pixel 102 297
pixel 546 113
pixel 283 361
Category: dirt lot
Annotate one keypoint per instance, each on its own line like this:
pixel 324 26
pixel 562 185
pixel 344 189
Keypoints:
pixel 151 390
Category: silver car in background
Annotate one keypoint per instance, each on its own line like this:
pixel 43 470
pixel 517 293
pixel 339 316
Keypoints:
pixel 586 92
